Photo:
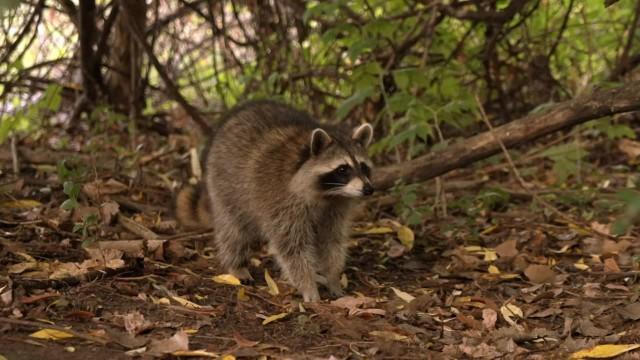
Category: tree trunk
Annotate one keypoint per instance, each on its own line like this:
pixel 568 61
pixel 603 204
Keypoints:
pixel 125 57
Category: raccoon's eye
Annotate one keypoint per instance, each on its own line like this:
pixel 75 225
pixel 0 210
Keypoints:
pixel 366 170
pixel 343 169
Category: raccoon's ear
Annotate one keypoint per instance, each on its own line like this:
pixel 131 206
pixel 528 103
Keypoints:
pixel 320 140
pixel 363 134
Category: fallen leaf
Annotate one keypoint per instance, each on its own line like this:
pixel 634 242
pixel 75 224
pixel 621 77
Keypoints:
pixel 403 295
pixel 580 265
pixel 629 147
pixel 480 351
pixel 273 287
pixel 631 311
pixel 24 204
pixel 611 266
pixel 186 303
pixel 539 274
pixel 242 296
pixel 489 318
pixel 227 279
pixel 396 250
pixel 604 351
pixel 135 323
pixel 509 311
pixel 493 270
pixel 108 212
pixel 197 353
pixel 241 341
pixel 388 335
pixel 19 268
pixel 178 342
pixel 273 318
pixel 50 334
pixel 97 188
pixel 406 237
pixel 507 249
pixel 587 328
pixel 377 231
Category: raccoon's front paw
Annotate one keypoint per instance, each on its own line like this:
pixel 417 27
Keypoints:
pixel 336 290
pixel 243 275
pixel 311 295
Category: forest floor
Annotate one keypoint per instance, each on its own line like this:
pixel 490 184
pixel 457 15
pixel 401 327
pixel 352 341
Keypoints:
pixel 507 272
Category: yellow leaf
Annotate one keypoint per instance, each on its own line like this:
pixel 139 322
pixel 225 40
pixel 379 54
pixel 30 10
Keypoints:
pixel 377 231
pixel 2 357
pixel 228 357
pixel 580 265
pixel 403 295
pixel 50 334
pixel 493 270
pixel 273 318
pixel 273 287
pixel 162 301
pixel 25 204
pixel 186 303
pixel 489 230
pixel 194 353
pixel 490 255
pixel 242 296
pixel 388 335
pixel 406 237
pixel 227 279
pixel 190 331
pixel 474 249
pixel 344 282
pixel 604 351
pixel 509 311
pixel 19 268
pixel 509 276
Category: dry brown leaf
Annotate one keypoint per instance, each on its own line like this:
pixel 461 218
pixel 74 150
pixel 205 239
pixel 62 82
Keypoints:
pixel 631 311
pixel 108 212
pixel 507 249
pixel 489 318
pixel 178 342
pixel 540 274
pixel 96 189
pixel 611 266
pixel 388 335
pixel 273 286
pixel 629 147
pixel 135 323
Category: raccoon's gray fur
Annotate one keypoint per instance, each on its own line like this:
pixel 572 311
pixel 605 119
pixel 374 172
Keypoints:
pixel 273 174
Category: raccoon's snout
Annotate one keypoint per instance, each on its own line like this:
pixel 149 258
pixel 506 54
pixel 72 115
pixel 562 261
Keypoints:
pixel 367 190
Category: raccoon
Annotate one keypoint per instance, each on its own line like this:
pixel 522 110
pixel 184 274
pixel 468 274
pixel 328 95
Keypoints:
pixel 273 174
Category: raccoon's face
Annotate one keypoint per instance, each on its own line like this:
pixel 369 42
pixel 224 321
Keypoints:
pixel 339 165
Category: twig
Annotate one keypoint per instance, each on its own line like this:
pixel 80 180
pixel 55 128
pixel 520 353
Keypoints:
pixel 14 156
pixel 54 327
pixel 523 183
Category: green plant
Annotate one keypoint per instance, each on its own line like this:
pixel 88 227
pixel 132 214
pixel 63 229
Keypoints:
pixel 87 229
pixel 624 222
pixel 70 176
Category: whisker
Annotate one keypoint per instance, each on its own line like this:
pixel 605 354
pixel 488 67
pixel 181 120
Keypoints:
pixel 338 184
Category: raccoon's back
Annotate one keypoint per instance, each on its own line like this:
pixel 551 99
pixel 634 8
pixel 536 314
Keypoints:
pixel 256 151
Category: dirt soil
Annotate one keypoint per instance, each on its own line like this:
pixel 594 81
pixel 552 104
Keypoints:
pixel 535 275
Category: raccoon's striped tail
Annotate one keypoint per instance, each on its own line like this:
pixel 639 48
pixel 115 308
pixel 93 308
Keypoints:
pixel 192 208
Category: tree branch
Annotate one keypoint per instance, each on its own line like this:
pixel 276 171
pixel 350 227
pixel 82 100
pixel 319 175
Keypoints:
pixel 564 115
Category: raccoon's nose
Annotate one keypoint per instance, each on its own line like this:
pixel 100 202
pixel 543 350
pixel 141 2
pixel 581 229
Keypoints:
pixel 367 190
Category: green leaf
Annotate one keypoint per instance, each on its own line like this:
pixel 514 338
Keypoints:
pixel 69 204
pixel 354 100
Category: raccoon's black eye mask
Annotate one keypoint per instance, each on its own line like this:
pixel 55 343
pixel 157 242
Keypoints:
pixel 340 176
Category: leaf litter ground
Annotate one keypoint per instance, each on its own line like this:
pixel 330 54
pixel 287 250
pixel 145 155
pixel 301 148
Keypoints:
pixel 511 278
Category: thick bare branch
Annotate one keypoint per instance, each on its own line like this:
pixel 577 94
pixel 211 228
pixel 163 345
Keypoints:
pixel 564 115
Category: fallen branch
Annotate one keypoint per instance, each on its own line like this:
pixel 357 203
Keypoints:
pixel 564 115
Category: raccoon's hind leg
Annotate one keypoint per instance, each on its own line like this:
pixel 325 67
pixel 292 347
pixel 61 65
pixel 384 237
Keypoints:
pixel 233 240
